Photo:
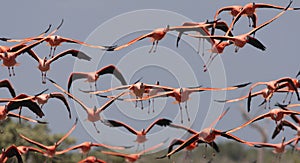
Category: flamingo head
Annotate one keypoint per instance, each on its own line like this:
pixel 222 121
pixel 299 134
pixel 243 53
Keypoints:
pixel 95 109
pixel 143 131
pixel 253 3
pixel 157 83
pixel 167 28
pixel 283 140
pixel 180 91
pixel 45 60
pixel 5 54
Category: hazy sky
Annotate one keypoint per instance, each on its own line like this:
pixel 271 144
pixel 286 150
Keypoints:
pixel 116 22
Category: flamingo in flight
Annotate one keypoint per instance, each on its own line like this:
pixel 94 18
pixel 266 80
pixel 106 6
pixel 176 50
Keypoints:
pixel 11 151
pixel 272 87
pixel 93 114
pixel 289 88
pixel 286 123
pixel 182 94
pixel 13 105
pixel 155 36
pixel 278 148
pixel 208 135
pixel 6 83
pixel 9 57
pixel 50 151
pixel 135 156
pixel 276 114
pixel 42 99
pixel 54 41
pixel 94 76
pixel 141 135
pixel 190 147
pixel 241 40
pixel 91 159
pixel 265 93
pixel 202 28
pixel 44 64
pixel 234 11
pixel 249 10
pixel 85 147
pixel 137 88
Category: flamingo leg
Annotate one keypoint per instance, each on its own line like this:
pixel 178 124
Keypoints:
pixel 94 124
pixel 149 102
pixel 287 94
pixel 152 105
pixel 187 113
pixel 291 98
pixel 249 20
pixel 51 48
pixel 210 61
pixel 152 47
pixel 236 49
pixel 13 70
pixel 155 47
pixel 181 119
pixel 9 71
pixel 142 105
pixel 53 53
pixel 203 46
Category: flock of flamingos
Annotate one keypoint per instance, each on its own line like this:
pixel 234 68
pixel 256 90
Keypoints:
pixel 283 116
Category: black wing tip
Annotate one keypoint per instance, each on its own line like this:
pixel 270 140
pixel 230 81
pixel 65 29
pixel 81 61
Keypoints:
pixel 221 101
pixel 243 85
pixel 161 157
pixel 110 48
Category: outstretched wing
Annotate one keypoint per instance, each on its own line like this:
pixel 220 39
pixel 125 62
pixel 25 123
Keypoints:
pixel 132 41
pixel 75 53
pixel 113 123
pixel 161 122
pixel 111 69
pixel 61 97
pixel 6 83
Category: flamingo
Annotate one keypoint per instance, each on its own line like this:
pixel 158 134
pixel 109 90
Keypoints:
pixel 241 40
pixel 182 94
pixel 284 123
pixel 13 105
pixel 276 114
pixel 44 64
pixel 55 40
pixel 202 28
pixel 289 87
pixel 94 76
pixel 85 147
pixel 11 151
pixel 135 156
pixel 50 151
pixel 137 88
pixel 272 87
pixel 6 83
pixel 189 148
pixel 249 10
pixel 91 159
pixel 141 135
pixel 208 135
pixel 155 36
pixel 93 114
pixel 42 99
pixel 9 57
pixel 278 148
pixel 234 11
